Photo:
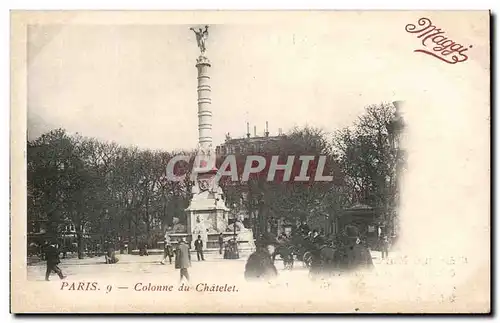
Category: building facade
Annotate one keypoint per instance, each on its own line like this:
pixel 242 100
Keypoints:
pixel 248 145
pixel 249 204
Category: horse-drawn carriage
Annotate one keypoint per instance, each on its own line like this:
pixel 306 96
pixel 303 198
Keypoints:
pixel 344 252
pixel 286 252
pixel 303 248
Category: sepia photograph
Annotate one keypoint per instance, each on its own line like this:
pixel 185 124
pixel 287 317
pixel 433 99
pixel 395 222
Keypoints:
pixel 250 162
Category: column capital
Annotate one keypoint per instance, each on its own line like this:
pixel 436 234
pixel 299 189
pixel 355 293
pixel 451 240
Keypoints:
pixel 202 60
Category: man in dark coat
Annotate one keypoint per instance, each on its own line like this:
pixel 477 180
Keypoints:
pixel 304 228
pixel 143 249
pixel 183 259
pixel 317 242
pixel 352 255
pixel 52 257
pixel 317 239
pixel 198 246
pixel 260 265
pixel 385 247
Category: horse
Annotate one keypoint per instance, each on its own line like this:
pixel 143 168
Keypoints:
pixel 286 253
pixel 321 260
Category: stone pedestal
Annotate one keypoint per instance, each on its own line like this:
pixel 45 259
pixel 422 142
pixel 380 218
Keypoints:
pixel 204 216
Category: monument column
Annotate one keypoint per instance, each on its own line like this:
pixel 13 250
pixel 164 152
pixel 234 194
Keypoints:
pixel 204 104
pixel 207 213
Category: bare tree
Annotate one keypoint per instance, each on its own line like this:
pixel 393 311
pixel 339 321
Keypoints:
pixel 368 157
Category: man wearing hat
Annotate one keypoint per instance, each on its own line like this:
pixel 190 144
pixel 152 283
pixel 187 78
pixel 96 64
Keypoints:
pixel 198 246
pixel 52 257
pixel 260 264
pixel 317 239
pixel 317 243
pixel 304 228
pixel 183 259
pixel 353 255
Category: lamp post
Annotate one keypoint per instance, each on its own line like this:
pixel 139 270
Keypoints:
pixel 234 219
pixel 233 245
pixel 128 243
pixel 261 215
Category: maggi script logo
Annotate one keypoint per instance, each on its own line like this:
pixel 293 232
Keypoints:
pixel 436 43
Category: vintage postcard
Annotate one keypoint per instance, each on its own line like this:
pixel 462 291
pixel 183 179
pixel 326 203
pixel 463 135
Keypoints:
pixel 250 162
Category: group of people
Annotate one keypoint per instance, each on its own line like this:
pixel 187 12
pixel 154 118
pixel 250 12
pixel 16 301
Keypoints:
pixel 181 254
pixel 169 252
pixel 348 255
pixel 229 249
pixel 259 265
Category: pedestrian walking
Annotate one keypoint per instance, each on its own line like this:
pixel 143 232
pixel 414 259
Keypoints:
pixel 317 243
pixel 183 259
pixel 167 250
pixel 385 247
pixel 352 255
pixel 198 246
pixel 53 261
pixel 260 265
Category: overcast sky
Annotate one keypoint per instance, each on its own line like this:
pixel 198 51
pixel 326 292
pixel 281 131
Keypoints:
pixel 136 84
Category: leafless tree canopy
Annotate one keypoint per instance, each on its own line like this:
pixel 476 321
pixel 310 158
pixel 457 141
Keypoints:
pixel 109 191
